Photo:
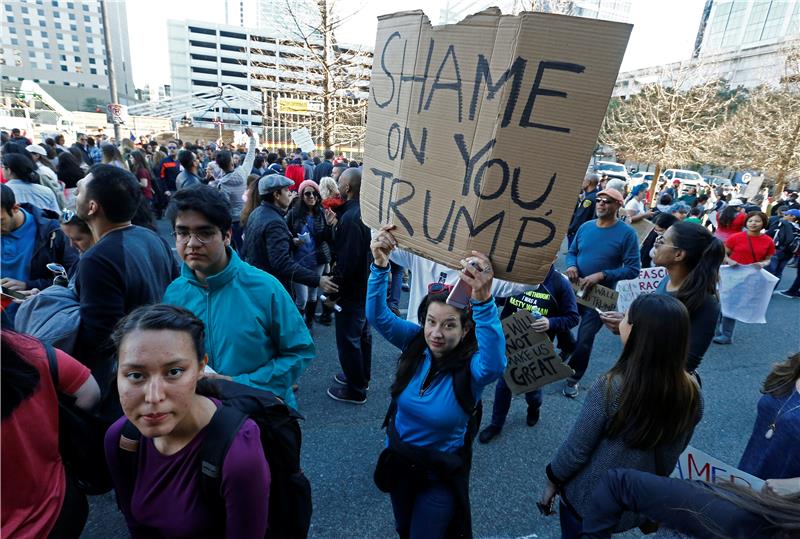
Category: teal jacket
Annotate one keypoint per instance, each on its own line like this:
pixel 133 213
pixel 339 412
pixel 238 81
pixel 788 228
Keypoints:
pixel 254 332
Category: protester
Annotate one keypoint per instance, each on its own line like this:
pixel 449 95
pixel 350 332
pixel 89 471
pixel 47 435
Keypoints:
pixel 731 220
pixel 254 333
pixel 233 182
pixel 664 203
pixel 161 359
pixel 635 208
pixel 39 499
pixel 695 508
pixel 142 172
pixel 690 197
pixel 190 175
pixel 127 267
pixel 640 415
pixel 605 251
pixel 771 452
pixel 47 175
pixel 82 146
pixel 786 235
pixel 661 222
pixel 448 357
pixel 694 216
pixel 94 151
pixel 793 292
pixel 585 208
pixel 692 257
pixel 296 172
pixel 680 210
pixel 308 166
pixel 77 232
pixel 311 235
pixel 17 138
pixel 337 170
pixel 751 246
pixel 111 156
pixel 325 168
pixel 554 302
pixel 24 181
pixel 329 191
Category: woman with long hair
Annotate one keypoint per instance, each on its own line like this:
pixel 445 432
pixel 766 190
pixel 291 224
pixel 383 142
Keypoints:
pixel 252 199
pixel 772 451
pixel 752 246
pixel 640 415
pixel 39 499
pixel 24 181
pixel 142 173
pixel 730 220
pixel 311 234
pixel 446 362
pixel 111 156
pixel 69 170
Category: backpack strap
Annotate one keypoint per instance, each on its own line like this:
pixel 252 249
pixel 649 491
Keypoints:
pixel 220 433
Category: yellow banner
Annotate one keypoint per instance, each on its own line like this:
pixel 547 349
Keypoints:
pixel 292 106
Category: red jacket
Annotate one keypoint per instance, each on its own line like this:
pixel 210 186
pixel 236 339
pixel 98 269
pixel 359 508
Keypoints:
pixel 296 173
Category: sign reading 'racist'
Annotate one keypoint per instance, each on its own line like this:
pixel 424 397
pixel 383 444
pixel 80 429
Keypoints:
pixel 479 133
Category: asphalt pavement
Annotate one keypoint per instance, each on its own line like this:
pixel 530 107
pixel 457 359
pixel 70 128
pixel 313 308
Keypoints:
pixel 341 442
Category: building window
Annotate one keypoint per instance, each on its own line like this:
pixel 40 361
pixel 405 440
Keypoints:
pixel 47 56
pixel 232 48
pixel 90 50
pixel 77 58
pixel 63 67
pixel 14 41
pixel 204 70
pixel 234 74
pixel 92 61
pixel 40 12
pixel 89 39
pixel 24 9
pixel 26 21
pixel 86 7
pixel 60 47
pixel 93 71
pixel 56 14
pixel 46 45
pixel 73 27
pixel 42 24
pixel 203 57
pixel 204 44
pixel 204 83
pixel 87 18
pixel 28 32
pixel 78 69
pixel 10 19
pixel 66 83
pixel 71 16
pixel 206 31
pixel 12 30
pixel 232 34
pixel 63 57
pixel 74 37
pixel 44 34
pixel 30 43
pixel 8 7
pixel 58 26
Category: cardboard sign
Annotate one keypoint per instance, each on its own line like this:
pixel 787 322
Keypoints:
pixel 643 229
pixel 694 464
pixel 753 187
pixel 302 138
pixel 597 297
pixel 532 358
pixel 479 133
pixel 646 283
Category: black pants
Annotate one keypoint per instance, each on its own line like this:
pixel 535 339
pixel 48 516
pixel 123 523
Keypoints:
pixel 73 514
pixel 354 344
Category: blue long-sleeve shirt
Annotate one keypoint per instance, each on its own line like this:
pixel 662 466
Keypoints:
pixel 433 418
pixel 613 250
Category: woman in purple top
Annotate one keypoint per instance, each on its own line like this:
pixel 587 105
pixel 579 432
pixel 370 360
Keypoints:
pixel 161 358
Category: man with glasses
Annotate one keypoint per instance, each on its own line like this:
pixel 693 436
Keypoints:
pixel 605 250
pixel 268 240
pixel 127 267
pixel 254 333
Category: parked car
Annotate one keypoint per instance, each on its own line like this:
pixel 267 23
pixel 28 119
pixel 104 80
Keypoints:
pixel 718 181
pixel 613 170
pixel 688 178
pixel 641 177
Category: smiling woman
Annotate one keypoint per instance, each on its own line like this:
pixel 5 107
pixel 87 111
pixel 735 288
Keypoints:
pixel 161 359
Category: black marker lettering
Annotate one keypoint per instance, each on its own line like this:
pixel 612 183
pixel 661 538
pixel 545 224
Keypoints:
pixel 419 155
pixel 525 120
pixel 533 245
pixel 517 70
pixel 455 86
pixel 469 162
pixel 479 176
pixel 385 70
pixel 475 230
pixel 423 78
pixel 393 204
pixel 535 203
pixel 395 127
pixel 426 215
pixel 383 175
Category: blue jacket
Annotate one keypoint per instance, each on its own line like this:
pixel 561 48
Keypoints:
pixel 254 332
pixel 435 419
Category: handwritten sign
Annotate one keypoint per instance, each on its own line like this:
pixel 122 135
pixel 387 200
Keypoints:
pixel 532 359
pixel 753 187
pixel 646 283
pixel 303 139
pixel 597 297
pixel 696 465
pixel 479 133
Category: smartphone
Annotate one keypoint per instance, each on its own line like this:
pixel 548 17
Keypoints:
pixel 460 295
pixel 13 294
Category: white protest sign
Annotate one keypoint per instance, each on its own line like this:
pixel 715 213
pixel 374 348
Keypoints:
pixel 753 187
pixel 745 291
pixel 479 132
pixel 302 138
pixel 532 359
pixel 696 465
pixel 646 283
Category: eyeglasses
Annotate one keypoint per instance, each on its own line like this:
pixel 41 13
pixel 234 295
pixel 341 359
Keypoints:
pixel 203 236
pixel 659 242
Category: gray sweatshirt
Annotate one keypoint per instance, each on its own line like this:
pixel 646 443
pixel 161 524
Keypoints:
pixel 234 183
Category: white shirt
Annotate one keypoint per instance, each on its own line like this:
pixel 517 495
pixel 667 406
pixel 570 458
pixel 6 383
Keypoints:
pixel 635 207
pixel 424 272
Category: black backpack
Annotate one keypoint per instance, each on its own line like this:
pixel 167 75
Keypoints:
pixel 290 504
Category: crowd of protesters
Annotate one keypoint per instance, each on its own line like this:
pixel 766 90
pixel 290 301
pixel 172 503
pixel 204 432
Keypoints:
pixel 265 245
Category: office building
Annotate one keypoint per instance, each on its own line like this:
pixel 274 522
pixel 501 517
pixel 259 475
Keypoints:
pixel 60 46
pixel 733 25
pixel 611 10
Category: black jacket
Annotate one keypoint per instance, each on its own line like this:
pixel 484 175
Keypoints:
pixel 268 246
pixel 51 246
pixel 323 169
pixel 584 211
pixel 322 232
pixel 351 240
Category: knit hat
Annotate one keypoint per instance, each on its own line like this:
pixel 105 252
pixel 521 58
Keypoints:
pixel 638 189
pixel 308 183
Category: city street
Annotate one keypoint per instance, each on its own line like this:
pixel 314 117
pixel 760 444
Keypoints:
pixel 341 442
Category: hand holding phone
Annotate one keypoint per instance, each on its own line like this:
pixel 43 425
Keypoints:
pixel 13 294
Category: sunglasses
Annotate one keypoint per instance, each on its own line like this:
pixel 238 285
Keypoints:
pixel 310 194
pixel 604 201
pixel 67 216
pixel 440 286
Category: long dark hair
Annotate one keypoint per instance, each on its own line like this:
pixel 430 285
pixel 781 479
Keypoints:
pixel 704 255
pixel 139 161
pixel 22 167
pixel 412 355
pixel 782 378
pixel 19 378
pixel 780 511
pixel 69 170
pixel 299 210
pixel 725 219
pixel 658 403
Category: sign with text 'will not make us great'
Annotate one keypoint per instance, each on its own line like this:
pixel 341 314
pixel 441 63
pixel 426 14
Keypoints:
pixel 479 133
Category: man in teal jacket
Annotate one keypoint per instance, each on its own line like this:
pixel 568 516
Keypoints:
pixel 254 332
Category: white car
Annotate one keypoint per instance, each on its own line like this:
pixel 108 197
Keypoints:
pixel 641 177
pixel 612 169
pixel 688 178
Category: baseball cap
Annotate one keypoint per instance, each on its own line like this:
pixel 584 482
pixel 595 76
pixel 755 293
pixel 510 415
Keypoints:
pixel 273 182
pixel 793 213
pixel 613 193
pixel 35 148
pixel 676 180
pixel 735 202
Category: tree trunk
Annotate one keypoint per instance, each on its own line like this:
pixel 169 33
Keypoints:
pixel 327 77
pixel 654 184
pixel 780 178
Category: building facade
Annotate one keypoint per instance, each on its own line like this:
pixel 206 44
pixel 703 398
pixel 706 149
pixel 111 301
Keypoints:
pixel 734 25
pixel 610 10
pixel 60 46
pixel 282 75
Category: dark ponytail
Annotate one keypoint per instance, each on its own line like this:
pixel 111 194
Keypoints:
pixel 704 255
pixel 19 378
pixel 22 167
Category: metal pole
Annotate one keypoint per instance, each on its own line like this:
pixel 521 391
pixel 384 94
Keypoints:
pixel 112 82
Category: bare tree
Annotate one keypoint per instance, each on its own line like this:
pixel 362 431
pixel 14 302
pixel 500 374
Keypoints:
pixel 667 123
pixel 562 7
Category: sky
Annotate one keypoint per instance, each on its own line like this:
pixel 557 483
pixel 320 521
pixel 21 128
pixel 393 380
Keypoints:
pixel 663 31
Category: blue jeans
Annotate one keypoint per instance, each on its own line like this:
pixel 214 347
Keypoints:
pixel 587 331
pixel 778 262
pixel 502 402
pixel 571 523
pixel 354 344
pixel 396 286
pixel 726 326
pixel 423 513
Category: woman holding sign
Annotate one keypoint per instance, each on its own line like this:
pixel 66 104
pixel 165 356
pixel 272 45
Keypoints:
pixel 446 362
pixel 640 415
